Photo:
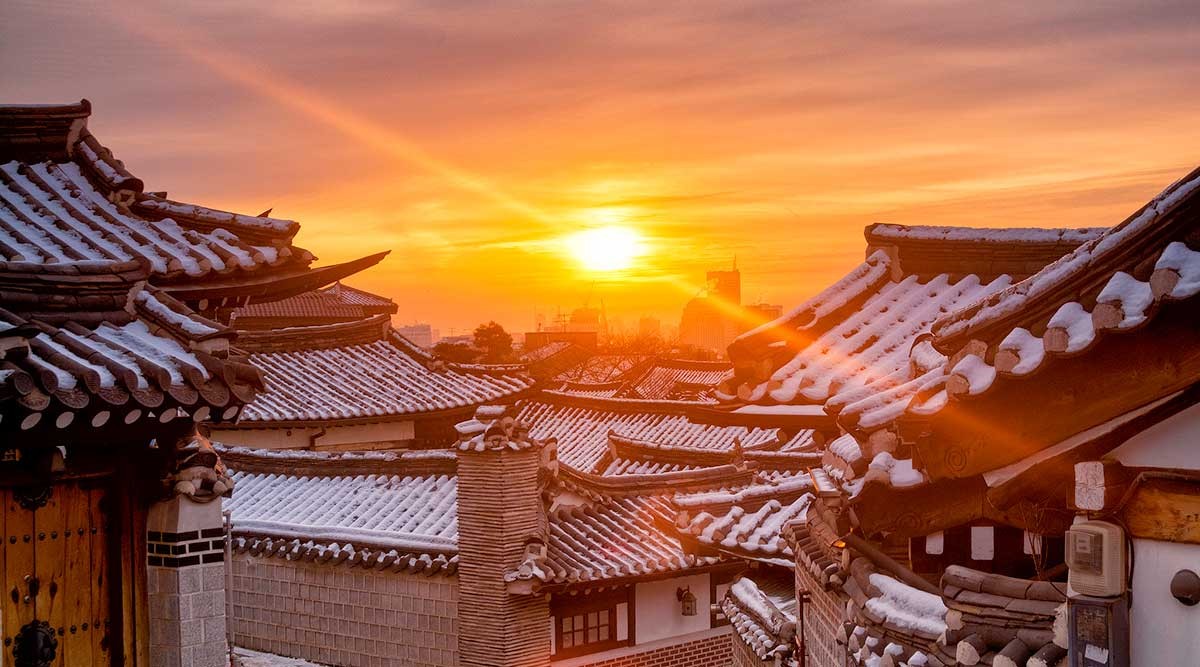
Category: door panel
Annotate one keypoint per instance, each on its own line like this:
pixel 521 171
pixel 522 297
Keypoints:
pixel 100 623
pixel 49 565
pixel 18 569
pixel 56 571
pixel 77 580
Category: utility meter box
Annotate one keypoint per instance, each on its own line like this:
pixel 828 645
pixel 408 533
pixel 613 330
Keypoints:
pixel 1099 631
pixel 1097 556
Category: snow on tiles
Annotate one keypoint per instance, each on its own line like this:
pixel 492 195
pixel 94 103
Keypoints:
pixel 378 378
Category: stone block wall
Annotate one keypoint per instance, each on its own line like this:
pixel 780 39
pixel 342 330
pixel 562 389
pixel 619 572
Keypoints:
pixel 822 619
pixel 189 605
pixel 344 615
pixel 185 584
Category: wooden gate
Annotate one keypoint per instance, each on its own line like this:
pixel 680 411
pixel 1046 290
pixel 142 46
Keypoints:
pixel 57 592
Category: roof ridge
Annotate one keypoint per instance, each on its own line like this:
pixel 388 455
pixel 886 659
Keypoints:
pixel 613 404
pixel 318 336
pixel 1099 257
pixel 306 463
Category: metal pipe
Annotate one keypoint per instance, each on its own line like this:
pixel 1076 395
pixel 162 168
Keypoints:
pixel 228 521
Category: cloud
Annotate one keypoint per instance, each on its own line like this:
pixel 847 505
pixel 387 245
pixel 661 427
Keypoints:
pixel 772 130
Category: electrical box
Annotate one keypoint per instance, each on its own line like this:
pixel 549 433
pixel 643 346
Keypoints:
pixel 1099 631
pixel 1097 558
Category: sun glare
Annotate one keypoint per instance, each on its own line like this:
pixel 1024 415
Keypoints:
pixel 609 248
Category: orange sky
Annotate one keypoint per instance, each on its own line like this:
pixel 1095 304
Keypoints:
pixel 467 137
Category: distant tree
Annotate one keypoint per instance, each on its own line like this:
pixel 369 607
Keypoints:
pixel 634 344
pixel 459 353
pixel 494 342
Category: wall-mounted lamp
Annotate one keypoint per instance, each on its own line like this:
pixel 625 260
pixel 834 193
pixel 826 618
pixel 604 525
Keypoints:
pixel 1185 587
pixel 687 600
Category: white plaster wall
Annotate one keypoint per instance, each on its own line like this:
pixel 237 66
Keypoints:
pixel 1163 632
pixel 265 438
pixel 1168 444
pixel 343 435
pixel 658 610
pixel 303 437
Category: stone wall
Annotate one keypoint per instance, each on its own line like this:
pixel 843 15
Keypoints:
pixel 342 615
pixel 822 620
pixel 185 584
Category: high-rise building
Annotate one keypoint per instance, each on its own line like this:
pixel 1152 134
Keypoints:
pixel 711 321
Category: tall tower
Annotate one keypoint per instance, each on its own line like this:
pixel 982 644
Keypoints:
pixel 726 285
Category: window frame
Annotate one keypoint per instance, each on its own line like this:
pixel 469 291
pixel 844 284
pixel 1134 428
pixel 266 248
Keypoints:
pixel 581 606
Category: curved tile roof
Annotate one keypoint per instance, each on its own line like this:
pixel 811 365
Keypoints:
pixel 381 378
pixel 582 427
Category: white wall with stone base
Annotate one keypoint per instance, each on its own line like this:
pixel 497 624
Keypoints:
pixel 338 614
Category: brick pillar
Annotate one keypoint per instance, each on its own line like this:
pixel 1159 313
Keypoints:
pixel 186 583
pixel 500 518
pixel 186 564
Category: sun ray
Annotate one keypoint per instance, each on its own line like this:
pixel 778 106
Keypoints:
pixel 259 80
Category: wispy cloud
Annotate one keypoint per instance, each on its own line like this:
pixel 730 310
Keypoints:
pixel 772 130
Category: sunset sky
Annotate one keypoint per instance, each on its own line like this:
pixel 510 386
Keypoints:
pixel 474 139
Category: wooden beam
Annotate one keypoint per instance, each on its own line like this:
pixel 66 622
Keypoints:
pixel 1046 473
pixel 1164 509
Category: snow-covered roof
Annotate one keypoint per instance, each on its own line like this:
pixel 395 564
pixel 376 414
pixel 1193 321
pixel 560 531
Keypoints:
pixel 582 426
pixel 1114 284
pixel 762 609
pixel 608 540
pixel 747 521
pixel 363 371
pixel 862 344
pixel 867 348
pixel 677 379
pixel 87 208
pixel 603 368
pixel 388 510
pixel 889 617
pixel 1000 610
pixel 115 352
pixel 66 201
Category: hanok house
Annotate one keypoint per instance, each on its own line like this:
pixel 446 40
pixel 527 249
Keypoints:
pixel 862 338
pixel 935 535
pixel 339 377
pixel 111 348
pixel 553 543
pixel 656 379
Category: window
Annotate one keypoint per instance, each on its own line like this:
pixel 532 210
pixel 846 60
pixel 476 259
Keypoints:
pixel 592 627
pixel 591 623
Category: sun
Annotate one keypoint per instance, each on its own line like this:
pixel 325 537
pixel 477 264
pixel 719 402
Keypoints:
pixel 608 248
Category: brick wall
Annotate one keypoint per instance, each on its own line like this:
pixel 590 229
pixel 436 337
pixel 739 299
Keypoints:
pixel 744 656
pixel 713 651
pixel 341 615
pixel 822 618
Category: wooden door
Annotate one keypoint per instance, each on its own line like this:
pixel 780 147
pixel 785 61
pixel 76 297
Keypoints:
pixel 57 586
